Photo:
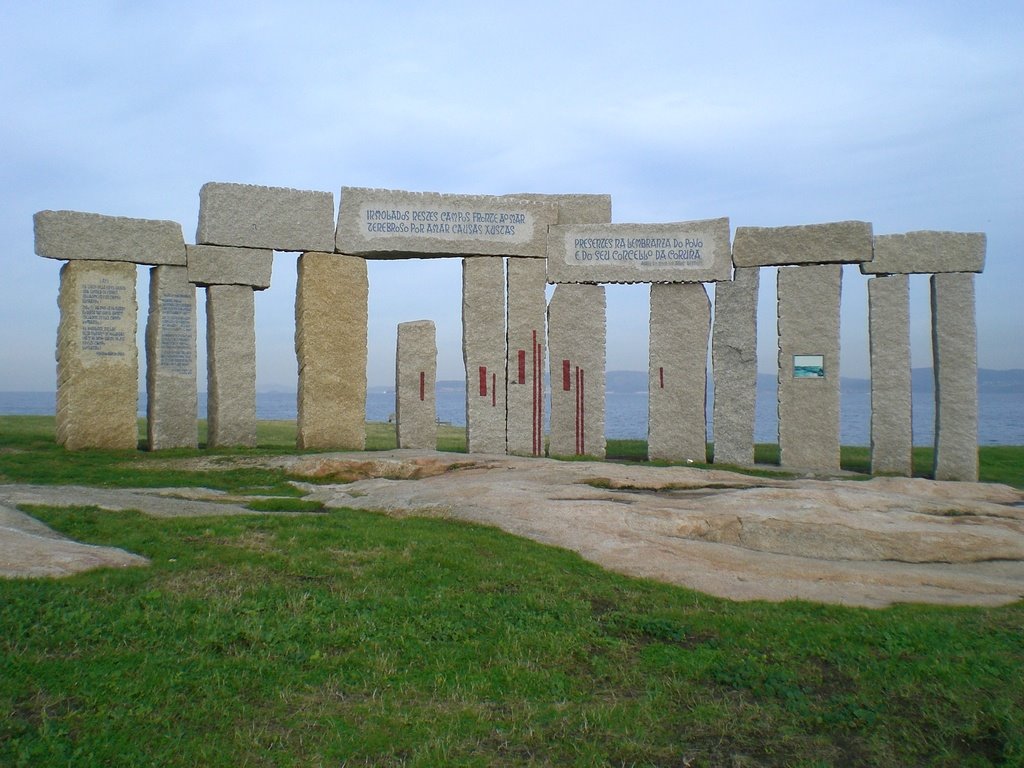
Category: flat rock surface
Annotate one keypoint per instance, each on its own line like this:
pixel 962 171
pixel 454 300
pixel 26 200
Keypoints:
pixel 866 543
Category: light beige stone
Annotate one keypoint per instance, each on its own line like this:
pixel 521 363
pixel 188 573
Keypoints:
pixel 889 326
pixel 734 362
pixel 415 385
pixel 219 265
pixel 97 359
pixel 573 208
pixel 576 349
pixel 171 400
pixel 845 242
pixel 808 301
pixel 250 216
pixel 330 343
pixel 231 366
pixel 527 344
pixel 680 325
pixel 71 235
pixel 483 351
pixel 927 252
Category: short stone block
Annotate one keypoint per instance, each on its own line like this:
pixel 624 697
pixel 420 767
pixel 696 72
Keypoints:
pixel 573 208
pixel 527 343
pixel 171 400
pixel 71 235
pixel 842 242
pixel 231 366
pixel 927 253
pixel 97 359
pixel 483 351
pixel 415 384
pixel 892 440
pixel 281 219
pixel 220 265
pixel 734 363
pixel 330 343
pixel 677 417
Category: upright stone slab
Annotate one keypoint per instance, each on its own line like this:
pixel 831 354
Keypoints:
pixel 415 383
pixel 171 401
pixel 97 359
pixel 576 344
pixel 955 362
pixel 231 366
pixel 526 346
pixel 889 327
pixel 677 383
pixel 808 301
pixel 734 362
pixel 483 350
pixel 330 343
pixel 249 216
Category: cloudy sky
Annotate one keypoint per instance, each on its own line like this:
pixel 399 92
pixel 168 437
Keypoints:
pixel 909 115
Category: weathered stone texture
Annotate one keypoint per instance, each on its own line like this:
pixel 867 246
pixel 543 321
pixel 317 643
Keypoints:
pixel 576 343
pixel 955 361
pixel 330 344
pixel 97 359
pixel 483 351
pixel 526 346
pixel 248 216
pixel 808 307
pixel 171 400
pixel 574 209
pixel 838 242
pixel 219 265
pixel 680 325
pixel 395 224
pixel 681 252
pixel 415 385
pixel 231 366
pixel 927 252
pixel 71 235
pixel 734 362
pixel 889 327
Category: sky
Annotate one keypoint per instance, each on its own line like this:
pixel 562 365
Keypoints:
pixel 908 115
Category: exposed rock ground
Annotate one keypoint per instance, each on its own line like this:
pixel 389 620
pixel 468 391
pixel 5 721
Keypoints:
pixel 868 543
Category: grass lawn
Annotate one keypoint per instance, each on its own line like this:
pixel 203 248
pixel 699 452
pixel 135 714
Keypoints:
pixel 349 638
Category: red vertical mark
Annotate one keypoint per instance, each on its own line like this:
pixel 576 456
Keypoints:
pixel 661 376
pixel 566 376
pixel 579 409
pixel 494 390
pixel 522 366
pixel 538 399
pixel 583 413
pixel 423 384
pixel 483 381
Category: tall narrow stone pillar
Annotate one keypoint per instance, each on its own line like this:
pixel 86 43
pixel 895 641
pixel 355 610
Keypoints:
pixel 483 350
pixel 576 345
pixel 415 383
pixel 808 302
pixel 527 306
pixel 955 362
pixel 231 365
pixel 677 384
pixel 889 326
pixel 97 360
pixel 734 363
pixel 171 401
pixel 330 344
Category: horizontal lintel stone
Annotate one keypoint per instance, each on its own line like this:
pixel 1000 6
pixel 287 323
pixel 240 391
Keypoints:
pixel 927 252
pixel 396 224
pixel 840 242
pixel 680 252
pixel 278 218
pixel 71 235
pixel 219 265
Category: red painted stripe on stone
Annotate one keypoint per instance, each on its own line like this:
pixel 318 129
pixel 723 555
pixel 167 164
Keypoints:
pixel 566 376
pixel 483 381
pixel 522 366
pixel 423 384
pixel 494 390
pixel 661 375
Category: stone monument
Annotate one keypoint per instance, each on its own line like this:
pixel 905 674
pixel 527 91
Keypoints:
pixel 415 384
pixel 734 361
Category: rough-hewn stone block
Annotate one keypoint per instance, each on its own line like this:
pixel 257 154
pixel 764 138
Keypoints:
pixel 526 346
pixel 171 401
pixel 394 224
pixel 889 327
pixel 415 384
pixel 97 359
pixel 683 252
pixel 927 252
pixel 573 208
pixel 576 343
pixel 955 361
pixel 220 265
pixel 483 351
pixel 72 235
pixel 231 366
pixel 680 324
pixel 249 216
pixel 330 344
pixel 843 242
pixel 808 301
pixel 734 364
